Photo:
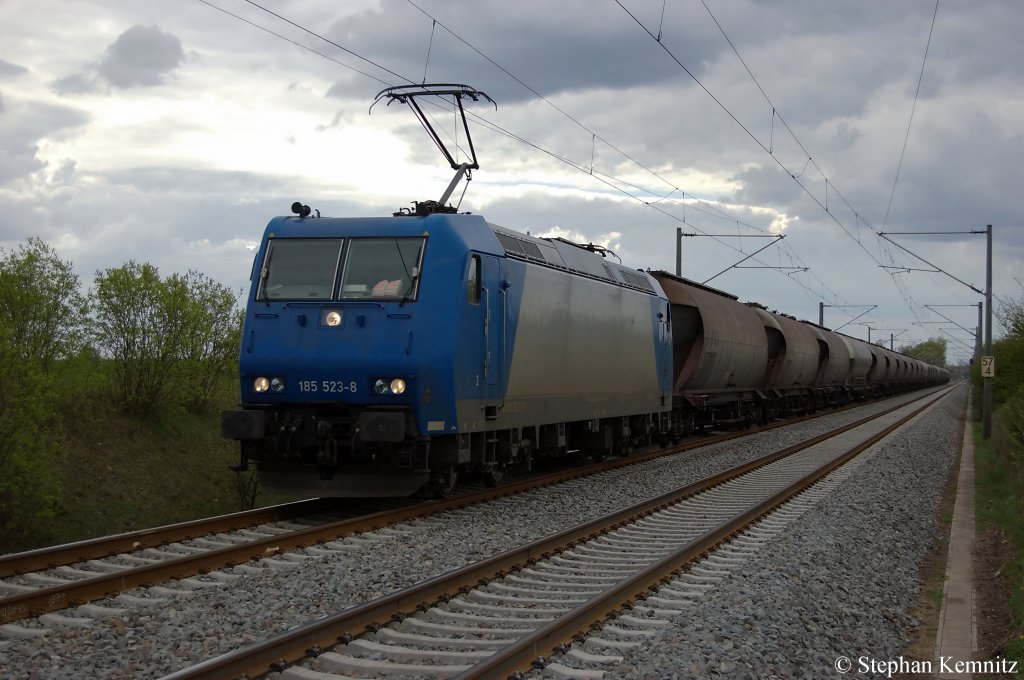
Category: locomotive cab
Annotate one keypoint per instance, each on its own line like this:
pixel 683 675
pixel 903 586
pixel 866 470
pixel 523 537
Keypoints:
pixel 345 359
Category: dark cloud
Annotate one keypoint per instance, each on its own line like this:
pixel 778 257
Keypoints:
pixel 65 174
pixel 76 83
pixel 9 69
pixel 341 118
pixel 194 182
pixel 768 185
pixel 175 218
pixel 22 126
pixel 552 47
pixel 982 43
pixel 141 56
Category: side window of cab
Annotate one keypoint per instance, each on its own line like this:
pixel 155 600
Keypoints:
pixel 473 281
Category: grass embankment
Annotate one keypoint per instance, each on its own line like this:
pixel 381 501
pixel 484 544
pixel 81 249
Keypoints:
pixel 117 472
pixel 122 473
pixel 999 488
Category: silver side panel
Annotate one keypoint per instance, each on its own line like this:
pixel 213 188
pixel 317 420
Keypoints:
pixel 583 349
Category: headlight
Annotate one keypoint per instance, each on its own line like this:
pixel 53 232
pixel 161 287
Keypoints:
pixel 260 384
pixel 332 319
pixel 384 386
pixel 277 385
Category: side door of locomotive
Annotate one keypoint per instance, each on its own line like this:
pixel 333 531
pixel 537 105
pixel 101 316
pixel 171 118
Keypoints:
pixel 494 327
pixel 665 350
pixel 484 332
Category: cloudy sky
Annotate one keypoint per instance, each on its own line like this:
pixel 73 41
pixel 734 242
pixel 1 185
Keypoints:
pixel 171 132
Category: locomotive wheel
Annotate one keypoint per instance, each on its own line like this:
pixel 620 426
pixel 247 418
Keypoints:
pixel 442 483
pixel 493 475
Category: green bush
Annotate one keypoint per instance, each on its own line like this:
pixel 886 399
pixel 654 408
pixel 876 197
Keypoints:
pixel 42 321
pixel 932 351
pixel 212 326
pixel 131 329
pixel 30 454
pixel 1000 461
pixel 1011 418
pixel 156 345
pixel 41 307
pixel 169 341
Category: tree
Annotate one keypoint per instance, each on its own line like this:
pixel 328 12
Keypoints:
pixel 132 329
pixel 932 351
pixel 40 304
pixel 1010 315
pixel 166 338
pixel 42 320
pixel 212 326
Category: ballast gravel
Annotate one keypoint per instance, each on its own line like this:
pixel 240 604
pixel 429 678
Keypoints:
pixel 842 581
pixel 838 586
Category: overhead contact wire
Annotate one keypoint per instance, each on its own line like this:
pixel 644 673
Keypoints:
pixel 913 108
pixel 606 179
pixel 810 159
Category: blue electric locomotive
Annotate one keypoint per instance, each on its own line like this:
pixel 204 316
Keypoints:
pixel 384 355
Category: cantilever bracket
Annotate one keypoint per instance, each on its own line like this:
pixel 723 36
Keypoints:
pixel 777 237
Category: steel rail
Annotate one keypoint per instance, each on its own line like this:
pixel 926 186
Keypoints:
pixel 278 651
pixel 94 548
pixel 14 564
pixel 55 597
pixel 520 655
pixel 52 598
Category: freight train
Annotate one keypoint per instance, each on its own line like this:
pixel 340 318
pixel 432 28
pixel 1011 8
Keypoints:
pixel 385 356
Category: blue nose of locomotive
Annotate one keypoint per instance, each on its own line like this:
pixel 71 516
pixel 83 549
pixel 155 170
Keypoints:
pixel 341 352
pixel 332 318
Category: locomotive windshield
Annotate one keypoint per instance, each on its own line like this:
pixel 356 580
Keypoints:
pixel 381 268
pixel 308 268
pixel 300 269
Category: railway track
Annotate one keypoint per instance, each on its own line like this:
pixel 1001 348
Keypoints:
pixel 498 616
pixel 97 548
pixel 48 580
